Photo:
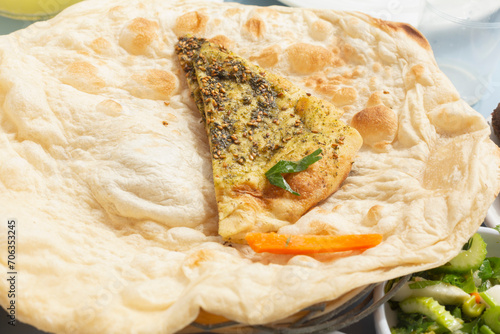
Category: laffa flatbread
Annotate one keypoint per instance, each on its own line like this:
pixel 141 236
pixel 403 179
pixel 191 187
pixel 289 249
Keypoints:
pixel 107 168
pixel 254 119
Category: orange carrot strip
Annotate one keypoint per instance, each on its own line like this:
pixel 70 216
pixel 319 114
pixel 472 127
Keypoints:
pixel 310 244
pixel 477 296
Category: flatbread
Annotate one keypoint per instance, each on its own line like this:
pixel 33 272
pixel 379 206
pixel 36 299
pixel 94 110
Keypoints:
pixel 107 169
pixel 254 119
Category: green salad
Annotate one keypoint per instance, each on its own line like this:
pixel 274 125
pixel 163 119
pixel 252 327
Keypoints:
pixel 462 296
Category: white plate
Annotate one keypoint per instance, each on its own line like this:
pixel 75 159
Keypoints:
pixel 493 216
pixel 386 318
pixel 402 11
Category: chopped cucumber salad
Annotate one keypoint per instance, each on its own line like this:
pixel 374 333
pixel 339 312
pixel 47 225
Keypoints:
pixel 462 296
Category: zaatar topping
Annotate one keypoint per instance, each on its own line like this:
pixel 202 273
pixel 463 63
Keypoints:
pixel 246 116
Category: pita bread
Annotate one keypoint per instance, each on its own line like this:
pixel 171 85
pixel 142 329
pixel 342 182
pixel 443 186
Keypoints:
pixel 107 168
pixel 255 119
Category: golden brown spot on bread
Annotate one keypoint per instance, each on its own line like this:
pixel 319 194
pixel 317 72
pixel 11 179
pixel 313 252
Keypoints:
pixel 232 11
pixel 255 28
pixel 374 100
pixel 421 75
pixel 138 35
pixel 171 117
pixel 115 9
pixel 267 12
pixel 349 54
pixel 344 95
pixel 222 41
pixel 415 34
pixel 318 227
pixel 196 259
pixel 347 108
pixel 320 30
pixel 100 44
pixel 268 57
pixel 377 125
pixel 161 82
pixel 324 85
pixel 192 22
pixel 109 107
pixel 83 76
pixel 376 67
pixel 306 58
pixel 373 215
pixel 142 26
pixel 409 30
pixel 418 70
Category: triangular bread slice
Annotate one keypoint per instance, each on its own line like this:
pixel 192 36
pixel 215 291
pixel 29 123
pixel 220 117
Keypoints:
pixel 254 119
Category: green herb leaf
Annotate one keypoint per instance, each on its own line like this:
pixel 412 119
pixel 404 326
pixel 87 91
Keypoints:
pixel 288 241
pixel 464 282
pixel 412 323
pixel 485 271
pixel 284 167
pixel 422 284
pixel 497 227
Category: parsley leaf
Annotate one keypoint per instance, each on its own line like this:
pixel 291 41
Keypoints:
pixel 485 271
pixel 283 167
pixel 412 323
pixel 464 282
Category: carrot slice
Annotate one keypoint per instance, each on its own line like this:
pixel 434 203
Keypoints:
pixel 310 244
pixel 477 296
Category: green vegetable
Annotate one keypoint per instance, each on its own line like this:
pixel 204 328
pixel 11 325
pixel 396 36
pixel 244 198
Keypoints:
pixel 491 318
pixel 284 167
pixel 487 299
pixel 464 282
pixel 485 330
pixel 467 260
pixel 431 308
pixel 470 327
pixel 413 323
pixel 491 296
pixel 422 284
pixel 471 308
pixel 443 293
pixel 471 273
pixel 489 271
pixel 497 228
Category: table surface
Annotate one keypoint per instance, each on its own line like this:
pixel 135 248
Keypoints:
pixel 485 106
